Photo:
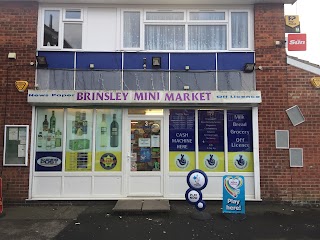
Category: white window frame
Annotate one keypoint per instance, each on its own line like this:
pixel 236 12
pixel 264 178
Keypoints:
pixel 187 22
pixel 141 28
pixel 26 145
pixel 62 21
pixel 250 30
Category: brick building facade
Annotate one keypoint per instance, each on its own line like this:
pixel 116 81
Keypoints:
pixel 282 86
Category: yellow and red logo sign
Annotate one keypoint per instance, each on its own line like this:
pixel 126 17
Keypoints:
pixel 297 42
pixel 21 85
pixel 315 81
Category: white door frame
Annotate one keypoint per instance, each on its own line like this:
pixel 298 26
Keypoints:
pixel 150 178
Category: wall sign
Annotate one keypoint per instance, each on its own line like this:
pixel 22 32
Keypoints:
pixel 297 42
pixel 38 97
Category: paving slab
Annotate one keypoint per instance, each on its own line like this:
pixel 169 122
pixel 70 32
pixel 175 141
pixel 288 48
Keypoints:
pixel 156 206
pixel 128 205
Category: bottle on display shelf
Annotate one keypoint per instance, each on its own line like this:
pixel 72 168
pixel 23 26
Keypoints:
pixel 103 131
pixel 48 142
pixel 84 123
pixel 53 139
pixel 114 132
pixel 58 139
pixel 53 122
pixel 40 140
pixel 45 124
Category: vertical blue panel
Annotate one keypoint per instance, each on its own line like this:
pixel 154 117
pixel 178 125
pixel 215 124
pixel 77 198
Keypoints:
pixel 234 60
pixel 196 61
pixel 135 60
pixel 100 60
pixel 233 195
pixel 63 60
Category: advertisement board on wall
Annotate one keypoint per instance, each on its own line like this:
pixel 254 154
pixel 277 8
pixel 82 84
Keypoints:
pixel 211 140
pixel 240 143
pixel 182 140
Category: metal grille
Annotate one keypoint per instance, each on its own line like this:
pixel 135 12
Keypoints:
pixel 295 115
pixel 296 157
pixel 282 139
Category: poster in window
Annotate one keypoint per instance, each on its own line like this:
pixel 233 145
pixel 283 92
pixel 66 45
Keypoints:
pixel 49 139
pixel 181 140
pixel 240 141
pixel 79 140
pixel 211 140
pixel 108 150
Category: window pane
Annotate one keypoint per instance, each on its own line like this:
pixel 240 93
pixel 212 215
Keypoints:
pixel 72 35
pixel 207 37
pixel 165 16
pixel 239 29
pixel 164 37
pixel 207 16
pixel 73 14
pixel 79 140
pixel 51 28
pixel 131 30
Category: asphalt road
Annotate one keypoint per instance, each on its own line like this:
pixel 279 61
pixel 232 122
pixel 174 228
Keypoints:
pixel 95 220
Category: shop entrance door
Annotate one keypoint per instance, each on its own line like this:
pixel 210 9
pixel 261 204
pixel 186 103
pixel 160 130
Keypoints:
pixel 144 161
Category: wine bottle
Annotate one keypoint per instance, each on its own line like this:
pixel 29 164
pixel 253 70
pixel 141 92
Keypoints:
pixel 103 129
pixel 53 122
pixel 45 124
pixel 40 138
pixel 114 132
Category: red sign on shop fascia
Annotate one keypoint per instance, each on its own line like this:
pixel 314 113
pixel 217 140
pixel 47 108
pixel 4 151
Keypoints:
pixel 297 42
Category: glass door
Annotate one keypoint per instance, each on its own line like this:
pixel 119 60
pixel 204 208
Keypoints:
pixel 145 157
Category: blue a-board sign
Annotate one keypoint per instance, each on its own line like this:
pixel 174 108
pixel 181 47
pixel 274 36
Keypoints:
pixel 233 194
pixel 182 130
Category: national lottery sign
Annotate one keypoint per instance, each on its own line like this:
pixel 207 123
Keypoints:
pixel 233 194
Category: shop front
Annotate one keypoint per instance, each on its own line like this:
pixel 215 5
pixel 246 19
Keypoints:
pixel 141 144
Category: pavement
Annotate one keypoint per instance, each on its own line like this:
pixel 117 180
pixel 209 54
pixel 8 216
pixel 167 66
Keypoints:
pixel 98 220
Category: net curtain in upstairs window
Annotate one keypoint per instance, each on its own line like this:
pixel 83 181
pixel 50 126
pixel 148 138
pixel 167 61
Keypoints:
pixel 207 37
pixel 239 29
pixel 164 37
pixel 131 30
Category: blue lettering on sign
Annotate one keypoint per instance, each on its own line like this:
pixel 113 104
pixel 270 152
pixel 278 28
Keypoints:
pixel 48 161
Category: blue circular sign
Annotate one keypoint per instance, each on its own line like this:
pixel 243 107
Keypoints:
pixel 197 179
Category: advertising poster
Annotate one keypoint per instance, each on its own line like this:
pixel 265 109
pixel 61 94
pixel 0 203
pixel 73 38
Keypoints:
pixel 233 194
pixel 79 140
pixel 181 140
pixel 108 140
pixel 49 140
pixel 240 143
pixel 211 140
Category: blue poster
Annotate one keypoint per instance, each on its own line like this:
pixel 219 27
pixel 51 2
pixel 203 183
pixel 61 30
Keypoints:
pixel 233 194
pixel 239 131
pixel 48 161
pixel 211 130
pixel 182 130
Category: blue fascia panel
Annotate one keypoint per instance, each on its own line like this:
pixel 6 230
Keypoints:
pixel 195 61
pixel 234 60
pixel 135 61
pixel 61 60
pixel 101 60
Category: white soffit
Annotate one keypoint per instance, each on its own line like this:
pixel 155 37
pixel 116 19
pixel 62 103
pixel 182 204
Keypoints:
pixel 304 66
pixel 159 2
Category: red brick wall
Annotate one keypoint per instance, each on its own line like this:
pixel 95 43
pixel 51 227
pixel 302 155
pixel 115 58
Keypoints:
pixel 284 86
pixel 18 33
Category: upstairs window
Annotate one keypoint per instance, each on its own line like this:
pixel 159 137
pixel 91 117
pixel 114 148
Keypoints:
pixel 184 30
pixel 65 31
